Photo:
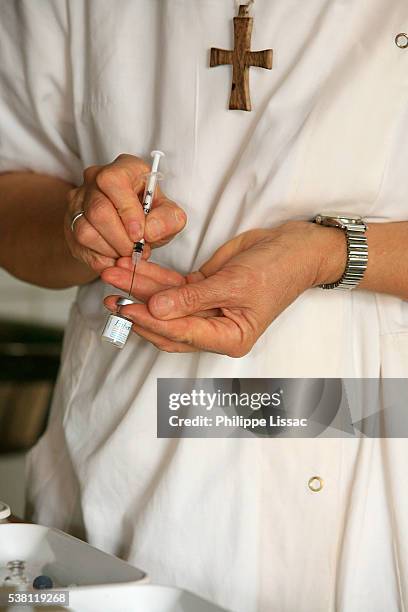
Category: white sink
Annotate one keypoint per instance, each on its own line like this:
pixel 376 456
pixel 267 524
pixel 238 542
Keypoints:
pixel 138 598
pixel 96 581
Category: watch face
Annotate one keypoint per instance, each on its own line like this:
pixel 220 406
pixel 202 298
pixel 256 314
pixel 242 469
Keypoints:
pixel 337 219
pixel 340 215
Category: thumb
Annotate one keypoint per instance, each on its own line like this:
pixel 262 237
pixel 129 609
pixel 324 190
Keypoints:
pixel 192 298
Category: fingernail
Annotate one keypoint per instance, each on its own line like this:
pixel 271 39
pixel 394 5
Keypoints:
pixel 163 305
pixel 135 231
pixel 155 228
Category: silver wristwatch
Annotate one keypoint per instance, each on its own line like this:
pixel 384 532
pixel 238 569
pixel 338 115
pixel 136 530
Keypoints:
pixel 357 248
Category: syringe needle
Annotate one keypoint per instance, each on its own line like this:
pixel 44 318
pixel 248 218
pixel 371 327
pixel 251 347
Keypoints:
pixel 137 258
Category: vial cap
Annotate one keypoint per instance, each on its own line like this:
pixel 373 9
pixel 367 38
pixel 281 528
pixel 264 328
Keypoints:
pixel 124 302
pixel 5 511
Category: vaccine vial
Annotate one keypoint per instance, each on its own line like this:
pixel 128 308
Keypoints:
pixel 16 576
pixel 117 327
pixel 5 512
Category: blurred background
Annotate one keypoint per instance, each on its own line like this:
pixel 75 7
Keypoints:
pixel 32 321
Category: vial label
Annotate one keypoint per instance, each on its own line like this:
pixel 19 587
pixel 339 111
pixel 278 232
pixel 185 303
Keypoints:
pixel 117 329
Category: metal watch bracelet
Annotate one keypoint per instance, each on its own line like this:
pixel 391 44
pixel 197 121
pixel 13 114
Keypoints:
pixel 357 252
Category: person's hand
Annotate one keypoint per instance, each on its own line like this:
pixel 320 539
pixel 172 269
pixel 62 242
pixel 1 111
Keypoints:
pixel 248 282
pixel 113 219
pixel 149 279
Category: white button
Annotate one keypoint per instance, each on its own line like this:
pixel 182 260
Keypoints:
pixel 401 40
pixel 315 484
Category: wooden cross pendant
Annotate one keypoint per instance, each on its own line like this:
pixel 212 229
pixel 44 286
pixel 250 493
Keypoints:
pixel 241 58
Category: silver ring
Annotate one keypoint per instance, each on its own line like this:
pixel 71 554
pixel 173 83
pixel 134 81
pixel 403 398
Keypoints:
pixel 76 217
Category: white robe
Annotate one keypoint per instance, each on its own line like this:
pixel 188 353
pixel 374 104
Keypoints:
pixel 231 519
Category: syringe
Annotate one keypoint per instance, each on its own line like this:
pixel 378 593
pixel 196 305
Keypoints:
pixel 148 196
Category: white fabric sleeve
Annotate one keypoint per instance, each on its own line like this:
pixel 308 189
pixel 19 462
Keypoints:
pixel 37 129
